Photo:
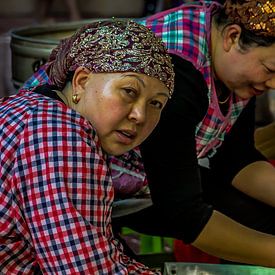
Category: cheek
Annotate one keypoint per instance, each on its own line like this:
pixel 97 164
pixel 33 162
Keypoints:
pixel 250 72
pixel 238 79
pixel 253 77
pixel 100 105
pixel 239 71
pixel 110 116
pixel 115 112
pixel 150 125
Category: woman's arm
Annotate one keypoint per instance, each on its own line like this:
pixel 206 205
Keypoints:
pixel 239 163
pixel 228 239
pixel 258 181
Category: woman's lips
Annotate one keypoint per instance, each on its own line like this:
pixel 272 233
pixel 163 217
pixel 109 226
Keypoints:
pixel 257 92
pixel 126 136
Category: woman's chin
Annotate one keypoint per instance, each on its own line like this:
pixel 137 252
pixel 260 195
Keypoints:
pixel 116 150
pixel 245 94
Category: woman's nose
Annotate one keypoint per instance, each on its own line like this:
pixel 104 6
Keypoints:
pixel 138 113
pixel 270 83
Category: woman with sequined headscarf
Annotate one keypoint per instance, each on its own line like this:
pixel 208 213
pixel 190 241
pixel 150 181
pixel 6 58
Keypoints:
pixel 206 178
pixel 109 84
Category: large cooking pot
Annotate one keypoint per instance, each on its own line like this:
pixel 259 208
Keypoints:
pixel 31 46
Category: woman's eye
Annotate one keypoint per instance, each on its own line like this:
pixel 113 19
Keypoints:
pixel 131 92
pixel 269 71
pixel 157 104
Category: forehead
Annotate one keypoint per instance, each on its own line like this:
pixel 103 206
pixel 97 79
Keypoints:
pixel 123 77
pixel 106 77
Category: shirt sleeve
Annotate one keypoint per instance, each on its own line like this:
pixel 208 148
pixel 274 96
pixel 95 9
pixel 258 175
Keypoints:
pixel 238 149
pixel 40 77
pixel 170 156
pixel 65 194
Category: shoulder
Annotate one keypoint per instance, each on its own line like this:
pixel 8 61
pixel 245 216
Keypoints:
pixel 182 30
pixel 190 92
pixel 34 112
pixel 43 102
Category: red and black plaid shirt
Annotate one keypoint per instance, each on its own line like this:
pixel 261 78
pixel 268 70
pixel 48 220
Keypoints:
pixel 56 193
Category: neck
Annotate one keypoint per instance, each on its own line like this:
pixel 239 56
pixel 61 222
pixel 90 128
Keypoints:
pixel 66 95
pixel 223 93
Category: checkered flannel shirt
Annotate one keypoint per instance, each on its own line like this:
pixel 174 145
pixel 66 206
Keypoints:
pixel 56 193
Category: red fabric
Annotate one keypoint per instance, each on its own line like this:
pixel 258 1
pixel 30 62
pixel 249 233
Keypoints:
pixel 56 193
pixel 188 253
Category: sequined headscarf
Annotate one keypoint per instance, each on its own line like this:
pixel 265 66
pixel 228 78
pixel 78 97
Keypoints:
pixel 112 46
pixel 257 16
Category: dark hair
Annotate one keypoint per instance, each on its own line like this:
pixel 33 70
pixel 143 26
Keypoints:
pixel 70 76
pixel 247 37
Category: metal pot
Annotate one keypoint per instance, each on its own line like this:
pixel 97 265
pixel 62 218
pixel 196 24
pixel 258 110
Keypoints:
pixel 31 46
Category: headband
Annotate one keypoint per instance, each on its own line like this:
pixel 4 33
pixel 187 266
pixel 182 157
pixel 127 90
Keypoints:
pixel 112 46
pixel 257 16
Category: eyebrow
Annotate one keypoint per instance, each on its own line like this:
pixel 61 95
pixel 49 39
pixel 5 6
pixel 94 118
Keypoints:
pixel 137 77
pixel 164 94
pixel 143 84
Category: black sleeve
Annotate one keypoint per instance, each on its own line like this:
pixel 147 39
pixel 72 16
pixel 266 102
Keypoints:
pixel 238 149
pixel 170 156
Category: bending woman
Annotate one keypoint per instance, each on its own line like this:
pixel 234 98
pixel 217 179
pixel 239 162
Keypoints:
pixel 202 166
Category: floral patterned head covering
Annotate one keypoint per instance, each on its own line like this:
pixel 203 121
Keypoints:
pixel 112 46
pixel 257 16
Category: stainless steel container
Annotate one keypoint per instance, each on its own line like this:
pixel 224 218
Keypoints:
pixel 31 46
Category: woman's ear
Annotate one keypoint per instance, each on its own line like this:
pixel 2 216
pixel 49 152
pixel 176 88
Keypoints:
pixel 80 78
pixel 231 37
